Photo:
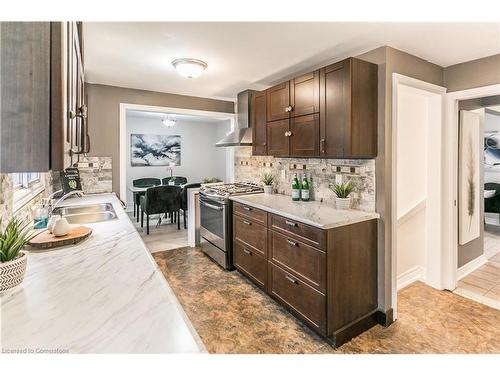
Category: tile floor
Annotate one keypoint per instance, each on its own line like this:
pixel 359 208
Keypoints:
pixel 483 284
pixel 231 315
pixel 164 237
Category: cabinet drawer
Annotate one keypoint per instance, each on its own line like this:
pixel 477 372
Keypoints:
pixel 302 260
pixel 250 212
pixel 306 301
pixel 308 234
pixel 250 234
pixel 250 263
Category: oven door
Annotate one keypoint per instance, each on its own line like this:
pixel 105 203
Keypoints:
pixel 212 221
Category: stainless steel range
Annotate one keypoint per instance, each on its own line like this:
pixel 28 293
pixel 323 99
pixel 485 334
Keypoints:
pixel 216 224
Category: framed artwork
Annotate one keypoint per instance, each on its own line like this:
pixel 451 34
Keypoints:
pixel 470 154
pixel 155 150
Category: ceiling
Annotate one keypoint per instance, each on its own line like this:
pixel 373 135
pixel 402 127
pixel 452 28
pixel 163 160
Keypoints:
pixel 174 116
pixel 259 54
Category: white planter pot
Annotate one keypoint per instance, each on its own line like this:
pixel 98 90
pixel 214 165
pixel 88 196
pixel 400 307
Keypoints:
pixel 268 189
pixel 343 203
pixel 12 273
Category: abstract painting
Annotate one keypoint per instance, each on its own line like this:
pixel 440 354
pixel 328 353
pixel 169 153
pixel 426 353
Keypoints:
pixel 155 150
pixel 469 177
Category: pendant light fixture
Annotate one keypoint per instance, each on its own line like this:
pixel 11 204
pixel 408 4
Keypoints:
pixel 168 122
pixel 189 68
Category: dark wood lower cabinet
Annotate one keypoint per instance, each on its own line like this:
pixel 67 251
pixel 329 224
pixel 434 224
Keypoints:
pixel 303 299
pixel 327 278
pixel 251 264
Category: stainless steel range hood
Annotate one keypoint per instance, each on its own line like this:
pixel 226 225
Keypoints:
pixel 242 135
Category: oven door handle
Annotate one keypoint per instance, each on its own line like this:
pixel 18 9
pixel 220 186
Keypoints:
pixel 218 208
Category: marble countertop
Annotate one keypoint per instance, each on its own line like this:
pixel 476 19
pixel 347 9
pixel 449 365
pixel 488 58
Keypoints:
pixel 317 214
pixel 104 295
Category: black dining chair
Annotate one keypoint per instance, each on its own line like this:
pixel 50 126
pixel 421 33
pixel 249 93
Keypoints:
pixel 177 180
pixel 142 183
pixel 184 198
pixel 162 199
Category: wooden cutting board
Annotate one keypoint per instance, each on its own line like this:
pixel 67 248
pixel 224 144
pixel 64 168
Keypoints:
pixel 46 240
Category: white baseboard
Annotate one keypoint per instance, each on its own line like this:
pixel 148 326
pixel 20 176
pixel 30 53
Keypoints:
pixel 471 266
pixel 416 273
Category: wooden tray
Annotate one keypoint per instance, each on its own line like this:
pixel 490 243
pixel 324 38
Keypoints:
pixel 46 240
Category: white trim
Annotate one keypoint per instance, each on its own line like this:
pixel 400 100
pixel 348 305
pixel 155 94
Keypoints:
pixel 450 180
pixel 432 274
pixel 123 132
pixel 416 273
pixel 473 265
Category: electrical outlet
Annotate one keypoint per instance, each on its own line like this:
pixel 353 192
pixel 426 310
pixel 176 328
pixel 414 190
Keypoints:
pixel 283 174
pixel 338 178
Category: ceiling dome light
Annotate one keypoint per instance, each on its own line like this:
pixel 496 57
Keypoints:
pixel 168 122
pixel 190 68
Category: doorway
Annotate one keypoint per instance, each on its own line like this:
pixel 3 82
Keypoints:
pixel 416 175
pixel 478 250
pixel 167 146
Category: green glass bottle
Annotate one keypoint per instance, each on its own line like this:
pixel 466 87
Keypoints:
pixel 305 189
pixel 295 188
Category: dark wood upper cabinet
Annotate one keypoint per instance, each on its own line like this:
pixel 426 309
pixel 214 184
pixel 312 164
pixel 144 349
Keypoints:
pixel 334 109
pixel 304 94
pixel 348 109
pixel 331 113
pixel 278 140
pixel 259 125
pixel 38 92
pixel 24 96
pixel 304 137
pixel 278 102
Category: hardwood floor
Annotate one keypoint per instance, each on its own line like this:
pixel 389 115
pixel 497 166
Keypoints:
pixel 483 284
pixel 164 237
pixel 231 315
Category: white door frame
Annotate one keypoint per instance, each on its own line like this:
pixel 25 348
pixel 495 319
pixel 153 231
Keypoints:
pixel 434 274
pixel 450 179
pixel 181 111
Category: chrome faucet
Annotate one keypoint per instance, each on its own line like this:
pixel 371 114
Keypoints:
pixel 65 196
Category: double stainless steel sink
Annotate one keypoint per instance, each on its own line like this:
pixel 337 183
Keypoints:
pixel 85 214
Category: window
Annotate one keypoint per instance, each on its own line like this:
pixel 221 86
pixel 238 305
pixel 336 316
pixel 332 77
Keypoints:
pixel 26 187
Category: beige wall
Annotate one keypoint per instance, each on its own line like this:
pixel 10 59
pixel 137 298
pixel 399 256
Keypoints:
pixel 471 74
pixel 104 116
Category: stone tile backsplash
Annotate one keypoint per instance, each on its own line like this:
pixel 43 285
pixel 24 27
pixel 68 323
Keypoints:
pixel 321 172
pixel 96 174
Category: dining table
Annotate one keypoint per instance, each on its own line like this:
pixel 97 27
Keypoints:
pixel 141 189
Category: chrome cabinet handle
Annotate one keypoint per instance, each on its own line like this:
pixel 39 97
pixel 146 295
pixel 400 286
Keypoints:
pixel 291 279
pixel 247 251
pixel 247 208
pixel 289 108
pixel 291 223
pixel 247 222
pixel 85 139
pixel 322 145
pixel 290 242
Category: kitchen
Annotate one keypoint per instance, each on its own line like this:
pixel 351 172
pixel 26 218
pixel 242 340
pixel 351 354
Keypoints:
pixel 287 254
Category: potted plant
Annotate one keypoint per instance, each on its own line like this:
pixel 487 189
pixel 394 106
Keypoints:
pixel 268 180
pixel 342 192
pixel 12 259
